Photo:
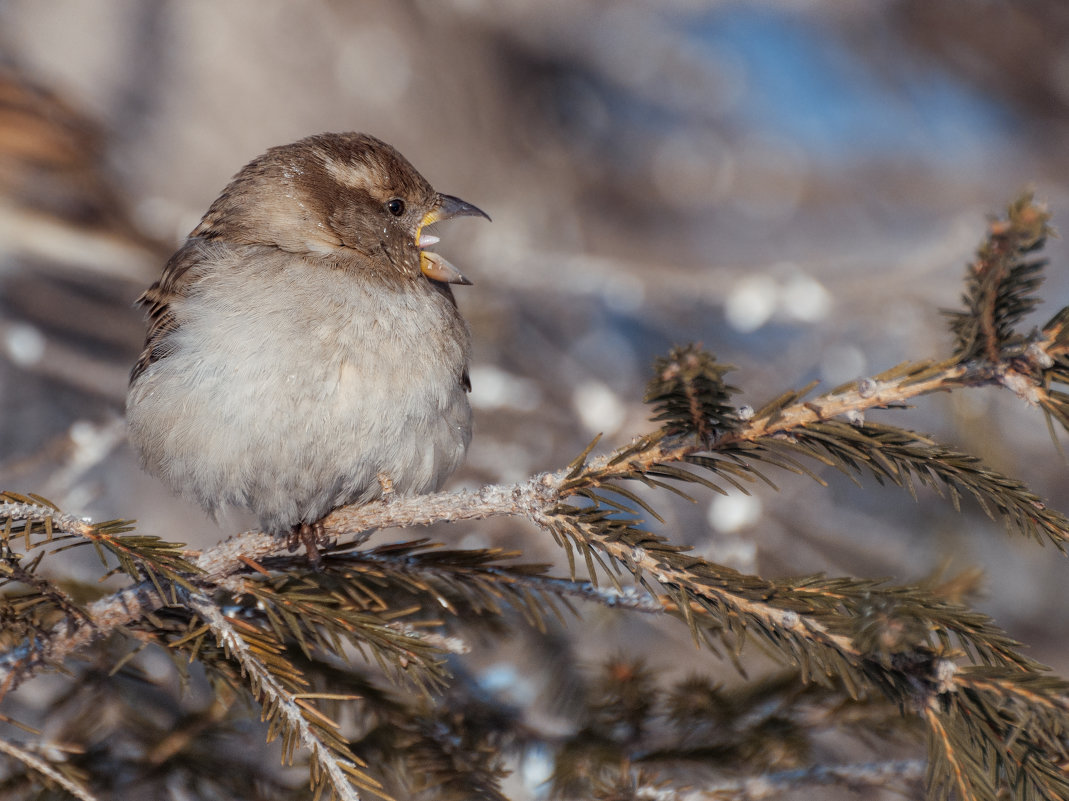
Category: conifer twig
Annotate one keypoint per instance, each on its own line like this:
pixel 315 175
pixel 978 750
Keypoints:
pixel 112 612
pixel 40 513
pixel 38 765
pixel 284 707
pixel 994 718
pixel 534 499
pixel 774 785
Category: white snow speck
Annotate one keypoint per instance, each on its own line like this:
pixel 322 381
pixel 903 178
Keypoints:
pixel 751 302
pixel 804 298
pixel 505 680
pixel 734 512
pixel 24 344
pixel 536 769
pixel 598 407
pixel 494 388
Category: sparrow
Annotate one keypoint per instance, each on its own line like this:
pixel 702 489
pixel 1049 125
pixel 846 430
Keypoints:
pixel 304 350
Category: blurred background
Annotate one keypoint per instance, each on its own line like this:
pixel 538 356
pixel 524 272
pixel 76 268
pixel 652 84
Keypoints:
pixel 796 185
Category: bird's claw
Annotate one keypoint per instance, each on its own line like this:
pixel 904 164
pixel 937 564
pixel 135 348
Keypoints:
pixel 310 535
pixel 386 485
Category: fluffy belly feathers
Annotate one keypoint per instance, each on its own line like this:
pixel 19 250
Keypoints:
pixel 293 431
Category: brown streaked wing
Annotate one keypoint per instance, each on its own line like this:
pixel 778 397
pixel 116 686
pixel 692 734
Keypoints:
pixel 174 282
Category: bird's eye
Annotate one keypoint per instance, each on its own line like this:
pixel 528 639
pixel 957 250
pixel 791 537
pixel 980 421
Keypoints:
pixel 396 207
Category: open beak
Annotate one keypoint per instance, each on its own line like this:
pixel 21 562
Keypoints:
pixel 431 264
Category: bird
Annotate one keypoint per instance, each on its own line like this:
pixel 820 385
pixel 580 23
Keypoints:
pixel 304 349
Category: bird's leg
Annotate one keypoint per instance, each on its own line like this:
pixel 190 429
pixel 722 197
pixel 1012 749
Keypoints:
pixel 386 484
pixel 309 535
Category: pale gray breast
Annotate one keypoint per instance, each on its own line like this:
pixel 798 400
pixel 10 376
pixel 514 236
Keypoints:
pixel 292 400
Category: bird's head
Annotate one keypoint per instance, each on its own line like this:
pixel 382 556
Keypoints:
pixel 338 194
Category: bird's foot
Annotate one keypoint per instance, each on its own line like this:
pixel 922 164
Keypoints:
pixel 386 485
pixel 310 535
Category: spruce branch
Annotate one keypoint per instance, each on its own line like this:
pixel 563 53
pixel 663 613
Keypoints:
pixel 1001 282
pixel 116 611
pixel 625 544
pixel 996 728
pixel 689 396
pixel 904 457
pixel 637 739
pixel 857 631
pixel 49 772
pixel 480 576
pixel 30 604
pixel 323 612
pixel 332 763
pixel 449 746
pixel 36 520
pixel 1050 355
pixel 994 719
pixel 774 785
pixel 43 596
pixel 789 429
